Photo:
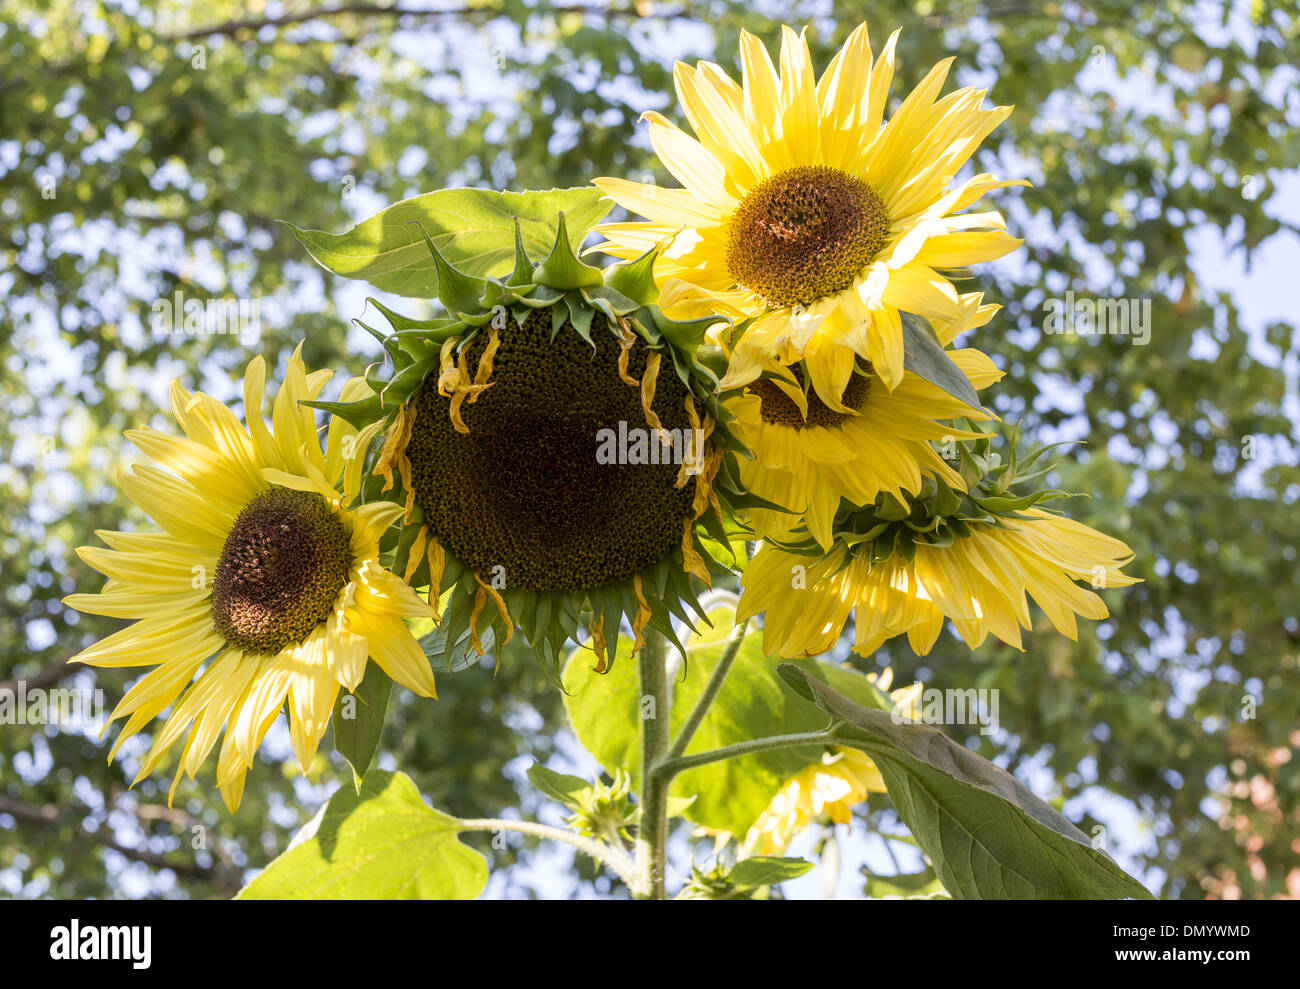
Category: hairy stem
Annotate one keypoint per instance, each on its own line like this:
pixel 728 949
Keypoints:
pixel 710 690
pixel 669 768
pixel 612 858
pixel 652 829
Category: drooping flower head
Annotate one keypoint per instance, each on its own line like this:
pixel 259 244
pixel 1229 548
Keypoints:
pixel 263 586
pixel 808 458
pixel 807 217
pixel 904 567
pixel 557 451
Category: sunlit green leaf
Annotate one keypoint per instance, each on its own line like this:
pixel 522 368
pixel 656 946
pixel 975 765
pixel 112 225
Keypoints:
pixel 560 787
pixel 606 709
pixel 766 870
pixel 384 843
pixel 474 229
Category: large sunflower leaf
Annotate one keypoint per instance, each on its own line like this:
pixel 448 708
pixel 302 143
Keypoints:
pixel 925 357
pixel 606 712
pixel 605 709
pixel 988 835
pixel 384 843
pixel 474 229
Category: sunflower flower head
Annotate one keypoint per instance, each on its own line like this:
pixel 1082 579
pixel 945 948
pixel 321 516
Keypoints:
pixel 830 788
pixel 808 457
pixel 263 585
pixel 557 450
pixel 903 566
pixel 806 216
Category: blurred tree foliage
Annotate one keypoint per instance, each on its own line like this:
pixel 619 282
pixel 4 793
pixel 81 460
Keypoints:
pixel 147 148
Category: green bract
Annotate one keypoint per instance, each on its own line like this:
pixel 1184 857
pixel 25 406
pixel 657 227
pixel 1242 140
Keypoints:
pixel 937 514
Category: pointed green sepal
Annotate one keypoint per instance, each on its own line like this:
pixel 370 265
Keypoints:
pixel 400 323
pixel 610 301
pixel 523 273
pixel 359 414
pixel 390 344
pixel 636 278
pixel 405 382
pixel 562 269
pixel 457 291
pixel 580 317
pixel 687 334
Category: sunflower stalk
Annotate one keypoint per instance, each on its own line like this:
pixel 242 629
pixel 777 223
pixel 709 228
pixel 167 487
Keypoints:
pixel 652 829
pixel 661 762
pixel 710 690
pixel 671 767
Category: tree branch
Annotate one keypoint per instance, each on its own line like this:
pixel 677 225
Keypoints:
pixel 45 815
pixel 45 677
pixel 231 28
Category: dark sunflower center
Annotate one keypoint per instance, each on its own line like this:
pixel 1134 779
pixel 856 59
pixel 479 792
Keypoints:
pixel 778 408
pixel 804 234
pixel 284 562
pixel 525 490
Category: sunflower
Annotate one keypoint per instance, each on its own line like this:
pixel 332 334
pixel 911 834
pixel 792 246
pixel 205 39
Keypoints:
pixel 801 216
pixel 557 452
pixel 260 572
pixel 978 579
pixel 833 787
pixel 807 457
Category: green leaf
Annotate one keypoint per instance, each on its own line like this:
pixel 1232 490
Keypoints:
pixel 766 870
pixel 384 843
pixel 359 720
pixel 923 885
pixel 474 229
pixel 752 703
pixel 560 787
pixel 988 835
pixel 925 357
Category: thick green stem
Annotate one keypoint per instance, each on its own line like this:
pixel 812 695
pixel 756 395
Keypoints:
pixel 612 858
pixel 669 768
pixel 652 829
pixel 710 690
